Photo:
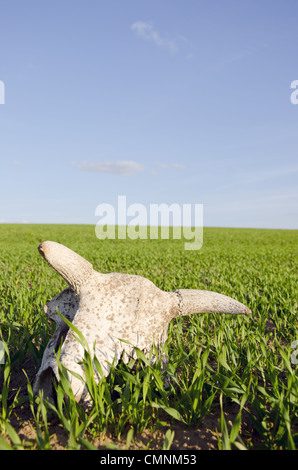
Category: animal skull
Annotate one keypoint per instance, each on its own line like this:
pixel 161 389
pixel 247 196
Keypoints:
pixel 108 308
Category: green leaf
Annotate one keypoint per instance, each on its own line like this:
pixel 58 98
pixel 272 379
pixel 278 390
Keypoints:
pixel 171 411
pixel 86 444
pixel 223 362
pixel 169 437
pixel 14 437
pixel 129 437
pixel 80 337
pixel 235 428
pixel 140 355
pixel 4 444
pixel 286 360
pixel 129 377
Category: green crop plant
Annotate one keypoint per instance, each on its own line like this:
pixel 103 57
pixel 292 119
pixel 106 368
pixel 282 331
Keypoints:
pixel 234 368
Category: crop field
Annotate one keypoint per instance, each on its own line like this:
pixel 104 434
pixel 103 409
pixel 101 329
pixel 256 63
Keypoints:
pixel 233 379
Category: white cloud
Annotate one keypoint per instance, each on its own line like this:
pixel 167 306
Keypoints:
pixel 120 167
pixel 146 31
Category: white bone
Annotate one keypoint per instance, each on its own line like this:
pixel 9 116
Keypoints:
pixel 108 308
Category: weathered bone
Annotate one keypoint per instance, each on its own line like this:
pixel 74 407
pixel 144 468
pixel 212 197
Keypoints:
pixel 108 308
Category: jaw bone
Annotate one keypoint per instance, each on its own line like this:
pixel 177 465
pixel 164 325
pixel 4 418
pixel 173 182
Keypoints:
pixel 108 308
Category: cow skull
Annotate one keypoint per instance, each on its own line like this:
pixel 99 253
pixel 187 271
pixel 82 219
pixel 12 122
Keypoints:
pixel 109 308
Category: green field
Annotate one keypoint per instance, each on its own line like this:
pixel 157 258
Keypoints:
pixel 231 376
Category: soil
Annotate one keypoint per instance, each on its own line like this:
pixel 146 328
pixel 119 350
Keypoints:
pixel 201 437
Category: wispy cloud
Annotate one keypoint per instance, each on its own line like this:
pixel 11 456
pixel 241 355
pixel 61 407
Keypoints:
pixel 145 30
pixel 119 167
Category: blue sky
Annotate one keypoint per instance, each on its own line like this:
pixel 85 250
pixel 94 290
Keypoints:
pixel 166 101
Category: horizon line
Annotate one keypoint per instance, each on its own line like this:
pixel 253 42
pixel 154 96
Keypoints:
pixel 148 226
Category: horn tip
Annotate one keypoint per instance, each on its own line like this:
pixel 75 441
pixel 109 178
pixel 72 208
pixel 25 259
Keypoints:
pixel 42 248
